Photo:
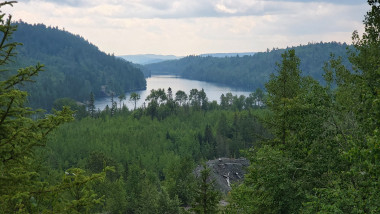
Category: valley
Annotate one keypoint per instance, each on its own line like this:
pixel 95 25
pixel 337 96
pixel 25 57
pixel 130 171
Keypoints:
pixel 286 130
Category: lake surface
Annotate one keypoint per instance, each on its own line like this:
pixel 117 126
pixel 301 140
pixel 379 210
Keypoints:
pixel 212 90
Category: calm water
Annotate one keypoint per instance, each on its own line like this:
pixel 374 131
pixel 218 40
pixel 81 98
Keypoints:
pixel 213 91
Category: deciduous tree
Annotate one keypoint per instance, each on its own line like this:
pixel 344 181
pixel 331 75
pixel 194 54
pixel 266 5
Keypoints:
pixel 134 97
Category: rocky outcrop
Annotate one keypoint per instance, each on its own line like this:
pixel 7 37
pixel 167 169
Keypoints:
pixel 226 171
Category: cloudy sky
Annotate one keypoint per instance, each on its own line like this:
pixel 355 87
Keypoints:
pixel 184 27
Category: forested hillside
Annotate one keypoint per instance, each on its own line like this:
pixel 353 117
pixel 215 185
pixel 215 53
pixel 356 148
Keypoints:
pixel 324 155
pixel 250 72
pixel 313 147
pixel 73 67
pixel 154 152
pixel 143 59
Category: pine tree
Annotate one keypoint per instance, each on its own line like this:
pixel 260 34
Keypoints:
pixel 20 134
pixel 91 105
pixel 365 82
pixel 206 196
pixel 22 131
pixel 356 99
pixel 283 90
pixel 330 161
pixel 170 94
pixel 113 105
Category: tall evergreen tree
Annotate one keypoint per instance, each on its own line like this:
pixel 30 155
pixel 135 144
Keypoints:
pixel 113 105
pixel 19 133
pixel 206 196
pixel 170 94
pixel 330 160
pixel 22 131
pixel 282 92
pixel 91 105
pixel 366 60
pixel 356 189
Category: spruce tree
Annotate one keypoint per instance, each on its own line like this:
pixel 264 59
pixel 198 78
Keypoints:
pixel 283 90
pixel 91 105
pixel 113 105
pixel 206 196
pixel 20 131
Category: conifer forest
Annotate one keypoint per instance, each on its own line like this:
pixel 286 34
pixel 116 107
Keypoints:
pixel 310 128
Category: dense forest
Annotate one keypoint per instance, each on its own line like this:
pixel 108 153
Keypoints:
pixel 250 72
pixel 313 147
pixel 73 67
pixel 153 151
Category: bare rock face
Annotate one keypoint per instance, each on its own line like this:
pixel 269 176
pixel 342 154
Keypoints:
pixel 225 172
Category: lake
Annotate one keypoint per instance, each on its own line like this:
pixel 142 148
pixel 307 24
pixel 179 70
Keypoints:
pixel 212 90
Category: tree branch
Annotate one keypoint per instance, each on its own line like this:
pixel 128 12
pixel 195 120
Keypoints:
pixel 7 111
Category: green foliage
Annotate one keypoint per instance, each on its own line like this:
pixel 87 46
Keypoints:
pixel 142 161
pixel 153 159
pixel 366 61
pixel 250 72
pixel 75 67
pixel 134 97
pixel 23 188
pixel 270 185
pixel 168 205
pixel 355 189
pixel 180 181
pixel 329 162
pixel 283 89
pixel 19 133
pixel 79 109
pixel 75 194
pixel 91 105
pixel 121 98
pixel 180 97
pixel 206 198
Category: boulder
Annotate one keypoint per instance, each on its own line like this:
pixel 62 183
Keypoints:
pixel 225 172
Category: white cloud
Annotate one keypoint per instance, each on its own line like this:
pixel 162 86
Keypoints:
pixel 185 27
pixel 222 8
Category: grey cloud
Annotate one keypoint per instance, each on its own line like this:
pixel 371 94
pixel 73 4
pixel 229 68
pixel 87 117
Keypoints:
pixel 220 8
pixel 162 3
pixel 72 3
pixel 196 8
pixel 351 2
pixel 159 4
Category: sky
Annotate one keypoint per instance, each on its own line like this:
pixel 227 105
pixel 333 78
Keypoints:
pixel 191 27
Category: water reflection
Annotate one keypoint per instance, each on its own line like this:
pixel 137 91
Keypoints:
pixel 213 91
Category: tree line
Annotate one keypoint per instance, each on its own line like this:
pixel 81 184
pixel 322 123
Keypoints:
pixel 313 148
pixel 250 72
pixel 73 66
pixel 324 154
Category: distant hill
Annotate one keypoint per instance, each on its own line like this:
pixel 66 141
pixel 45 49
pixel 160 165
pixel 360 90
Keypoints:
pixel 228 54
pixel 249 72
pixel 145 59
pixel 144 69
pixel 73 66
pixel 148 58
